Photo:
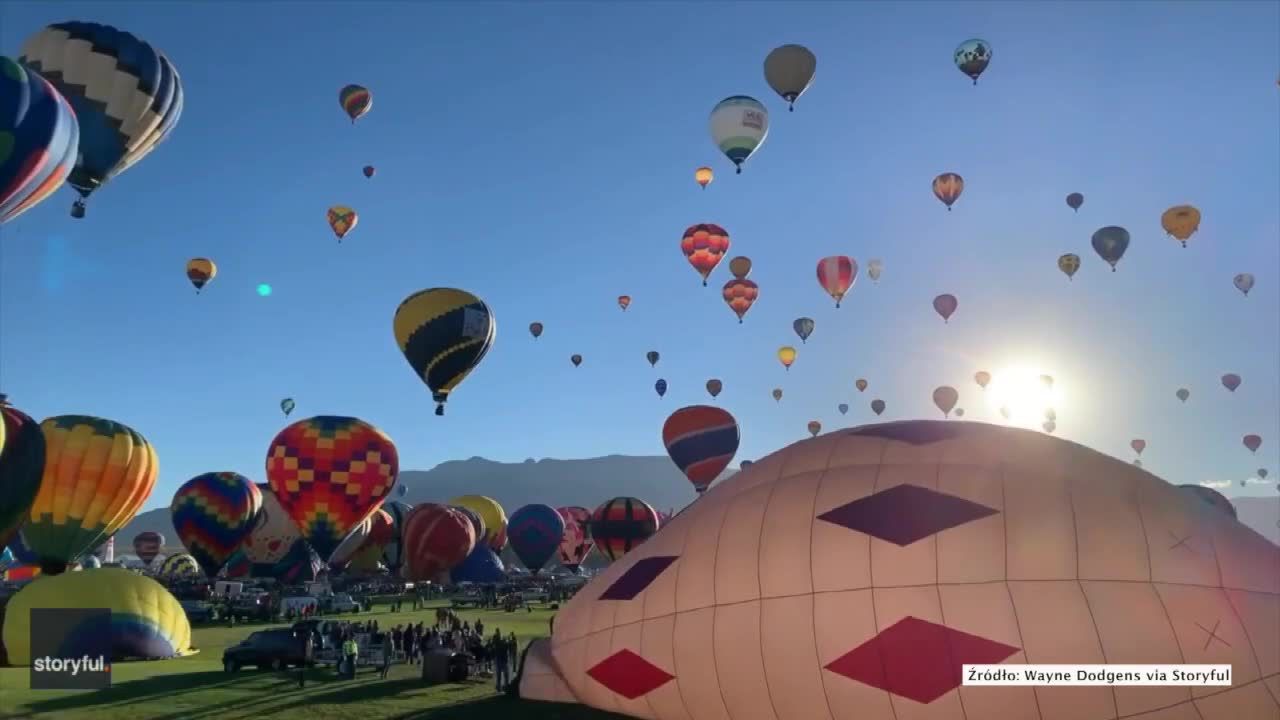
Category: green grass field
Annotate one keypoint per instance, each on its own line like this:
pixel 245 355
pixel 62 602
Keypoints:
pixel 196 688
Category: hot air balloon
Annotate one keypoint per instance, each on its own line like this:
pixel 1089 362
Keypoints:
pixel 983 378
pixel 972 57
pixel 947 188
pixel 477 523
pixel 1110 243
pixel 777 394
pixel 127 97
pixel 146 545
pixel 43 139
pixel 836 275
pixel 97 474
pixel 652 356
pixel 401 490
pixel 1049 426
pixel 444 333
pixel 1231 381
pixel 959 412
pixel 789 70
pixel 494 517
pixel 945 398
pixel 877 406
pixel 535 329
pixel 181 565
pixel 576 359
pixel 369 171
pixel 714 386
pixel 660 387
pixel 1069 264
pixel 212 514
pixel 861 384
pixel 272 537
pixel 945 305
pixel 701 440
pixel 786 356
pixel 1243 282
pixel 843 408
pixel 342 220
pixel 1074 201
pixel 739 125
pixel 874 268
pixel 740 267
pixel 704 245
pixel 355 101
pixel 803 327
pixel 1262 473
pixel 1005 412
pixel 740 294
pixel 1183 394
pixel 1253 442
pixel 703 176
pixel 287 405
pixel 624 301
pixel 535 531
pixel 1181 222
pixel 575 544
pixel 815 427
pixel 330 474
pixel 22 460
pixel 436 538
pixel 620 525
pixel 1138 445
pixel 393 551
pixel 200 271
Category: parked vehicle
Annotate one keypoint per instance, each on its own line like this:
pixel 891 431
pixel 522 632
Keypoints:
pixel 339 603
pixel 253 606
pixel 197 611
pixel 267 649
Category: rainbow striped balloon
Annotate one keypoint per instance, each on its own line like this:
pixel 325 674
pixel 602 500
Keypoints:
pixel 213 513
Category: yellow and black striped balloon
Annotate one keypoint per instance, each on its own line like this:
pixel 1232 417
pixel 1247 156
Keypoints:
pixel 444 333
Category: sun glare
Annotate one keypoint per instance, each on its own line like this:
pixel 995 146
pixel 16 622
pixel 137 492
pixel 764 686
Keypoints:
pixel 1025 396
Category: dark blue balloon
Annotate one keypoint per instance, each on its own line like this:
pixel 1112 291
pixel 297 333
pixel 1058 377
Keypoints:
pixel 535 532
pixel 39 136
pixel 482 566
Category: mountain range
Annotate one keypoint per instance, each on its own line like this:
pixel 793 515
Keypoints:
pixel 590 482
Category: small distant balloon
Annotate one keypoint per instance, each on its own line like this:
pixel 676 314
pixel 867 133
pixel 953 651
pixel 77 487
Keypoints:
pixel 624 302
pixel 342 220
pixel 740 267
pixel 959 412
pixel 402 490
pixel 837 275
pixel 972 57
pixel 861 384
pixel 1262 473
pixel 1051 415
pixel 1138 445
pixel 1074 201
pixel 1243 282
pixel 535 329
pixel 815 427
pixel 369 171
pixel 356 100
pixel 652 356
pixel 1183 394
pixel 1069 264
pixel 660 387
pixel 1181 222
pixel 264 290
pixel 287 405
pixel 877 406
pixel 714 386
pixel 1047 381
pixel 874 268
pixel 1049 426
pixel 740 294
pixel 803 327
pixel 576 359
pixel 843 408
pixel 1231 381
pixel 200 271
pixel 983 378
pixel 945 305
pixel 1110 243
pixel 777 394
pixel 703 176
pixel 786 356
pixel 1253 442
pixel 947 187
pixel 1004 412
pixel 945 398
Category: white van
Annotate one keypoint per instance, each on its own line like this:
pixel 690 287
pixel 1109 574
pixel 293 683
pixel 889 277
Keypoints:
pixel 227 589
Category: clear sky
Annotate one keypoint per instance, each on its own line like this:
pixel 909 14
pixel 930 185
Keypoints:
pixel 541 155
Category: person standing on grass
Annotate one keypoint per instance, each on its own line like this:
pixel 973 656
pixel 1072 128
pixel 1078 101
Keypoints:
pixel 513 646
pixel 387 649
pixel 501 660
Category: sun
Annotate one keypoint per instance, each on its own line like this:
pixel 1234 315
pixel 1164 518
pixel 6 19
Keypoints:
pixel 1028 396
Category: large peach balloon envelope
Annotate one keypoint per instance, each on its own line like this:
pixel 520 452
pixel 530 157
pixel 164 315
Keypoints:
pixel 436 539
pixel 331 473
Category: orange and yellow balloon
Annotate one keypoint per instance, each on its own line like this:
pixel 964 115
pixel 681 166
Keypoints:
pixel 1181 222
pixel 947 188
pixel 786 356
pixel 703 176
pixel 342 220
pixel 200 271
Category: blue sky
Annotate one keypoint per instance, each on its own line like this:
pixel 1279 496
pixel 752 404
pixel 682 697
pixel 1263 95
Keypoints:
pixel 541 155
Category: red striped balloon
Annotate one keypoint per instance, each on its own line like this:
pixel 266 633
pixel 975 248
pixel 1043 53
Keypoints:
pixel 436 538
pixel 836 275
pixel 621 525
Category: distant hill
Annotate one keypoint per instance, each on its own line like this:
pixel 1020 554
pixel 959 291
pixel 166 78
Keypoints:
pixel 592 481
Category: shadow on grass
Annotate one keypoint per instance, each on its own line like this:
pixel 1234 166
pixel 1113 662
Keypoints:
pixel 503 707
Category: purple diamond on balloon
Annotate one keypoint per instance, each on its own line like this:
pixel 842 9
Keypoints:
pixel 904 514
pixel 637 578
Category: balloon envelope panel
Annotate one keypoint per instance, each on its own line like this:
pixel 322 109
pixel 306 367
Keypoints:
pixel 146 620
pixel 852 574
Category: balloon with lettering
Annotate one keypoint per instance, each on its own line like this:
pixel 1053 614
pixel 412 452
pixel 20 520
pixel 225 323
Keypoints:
pixel 739 126
pixel 972 57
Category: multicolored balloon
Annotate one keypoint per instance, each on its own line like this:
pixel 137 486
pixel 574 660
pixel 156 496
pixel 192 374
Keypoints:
pixel 620 525
pixel 126 95
pixel 945 305
pixel 342 220
pixel 272 536
pixel 22 459
pixel 739 126
pixel 945 398
pixel 356 101
pixel 972 57
pixel 837 275
pixel 786 356
pixel 703 176
pixel 702 440
pixel 330 473
pixel 1181 222
pixel 624 302
pixel 576 543
pixel 947 187
pixel 494 517
pixel 1074 201
pixel 179 566
pixel 1069 264
pixel 97 475
pixel 200 271
pixel 789 70
pixel 803 327
pixel 860 384
pixel 212 514
pixel 436 539
pixel 704 246
pixel 535 532
pixel 444 333
pixel 43 137
pixel 1110 243
pixel 740 294
pixel 370 171
pixel 146 545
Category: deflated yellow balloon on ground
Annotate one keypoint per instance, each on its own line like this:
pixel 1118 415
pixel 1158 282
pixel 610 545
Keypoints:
pixel 147 622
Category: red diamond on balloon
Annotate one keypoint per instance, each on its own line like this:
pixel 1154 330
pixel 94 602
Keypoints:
pixel 629 675
pixel 917 659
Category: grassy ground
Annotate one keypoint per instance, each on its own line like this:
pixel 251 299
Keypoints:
pixel 196 688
